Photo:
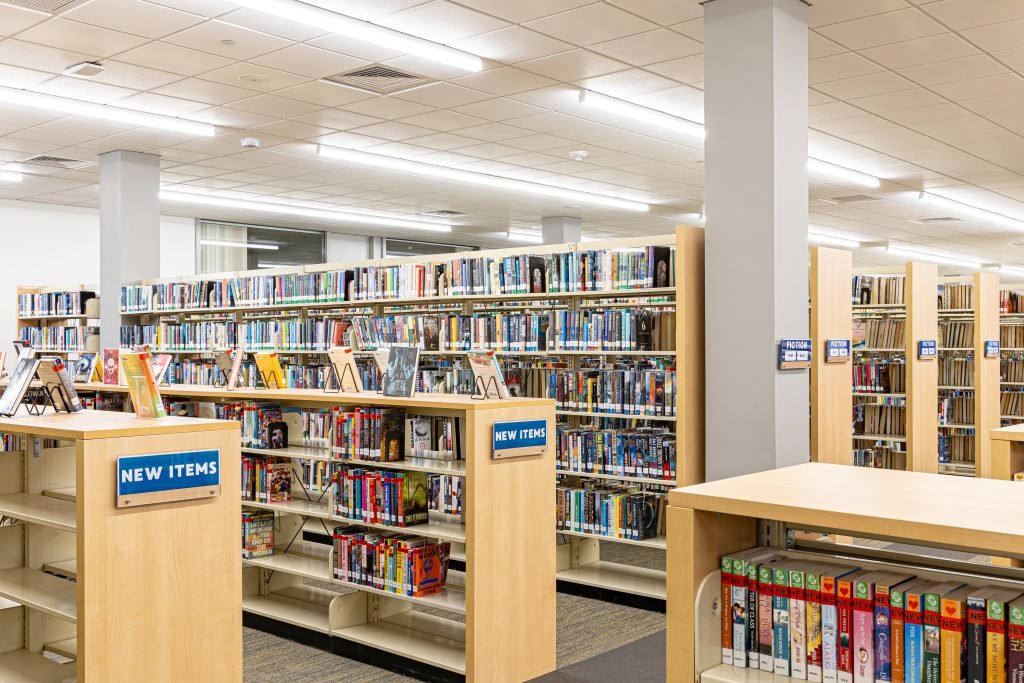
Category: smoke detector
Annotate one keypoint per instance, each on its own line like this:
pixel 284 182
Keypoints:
pixel 84 69
pixel 578 154
pixel 250 143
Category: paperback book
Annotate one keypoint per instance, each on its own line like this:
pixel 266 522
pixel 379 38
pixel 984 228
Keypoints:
pixel 54 377
pixel 145 395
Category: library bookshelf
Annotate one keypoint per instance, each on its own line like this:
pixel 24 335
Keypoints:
pixel 958 519
pixel 478 626
pixel 59 320
pixel 104 587
pixel 147 315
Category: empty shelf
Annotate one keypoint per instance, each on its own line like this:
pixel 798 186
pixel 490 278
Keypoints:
pixel 37 509
pixel 40 591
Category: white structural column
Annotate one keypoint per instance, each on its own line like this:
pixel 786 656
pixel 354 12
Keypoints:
pixel 560 229
pixel 129 231
pixel 755 112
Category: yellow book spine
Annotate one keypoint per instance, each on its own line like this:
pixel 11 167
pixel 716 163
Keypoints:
pixel 996 659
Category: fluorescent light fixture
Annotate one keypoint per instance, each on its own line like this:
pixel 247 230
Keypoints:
pixel 815 237
pixel 239 245
pixel 970 210
pixel 264 264
pixel 1019 272
pixel 10 177
pixel 300 211
pixel 641 113
pixel 103 112
pixel 473 178
pixel 825 168
pixel 526 236
pixel 350 27
pixel 931 257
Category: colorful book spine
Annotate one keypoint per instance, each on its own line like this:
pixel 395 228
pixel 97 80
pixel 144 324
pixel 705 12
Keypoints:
pixel 765 596
pixel 780 621
pixel 883 633
pixel 1015 642
pixel 727 610
pixel 829 631
pixel 753 658
pixel 953 645
pixel 932 637
pixel 995 641
pixel 913 647
pixel 813 590
pixel 976 636
pixel 897 624
pixel 863 634
pixel 739 613
pixel 797 625
pixel 844 602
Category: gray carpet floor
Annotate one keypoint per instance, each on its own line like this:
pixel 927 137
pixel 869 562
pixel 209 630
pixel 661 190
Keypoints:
pixel 586 629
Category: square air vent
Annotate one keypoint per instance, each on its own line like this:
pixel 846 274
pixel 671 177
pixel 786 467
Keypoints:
pixel 57 162
pixel 443 213
pixel 378 79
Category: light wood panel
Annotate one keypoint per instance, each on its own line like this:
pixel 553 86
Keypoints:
pixel 922 375
pixel 690 354
pixel 831 383
pixel 986 371
pixel 159 587
pixel 1007 453
pixel 102 424
pixel 510 560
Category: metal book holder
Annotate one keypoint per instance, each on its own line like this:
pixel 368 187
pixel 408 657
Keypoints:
pixel 37 399
pixel 481 388
pixel 383 377
pixel 339 382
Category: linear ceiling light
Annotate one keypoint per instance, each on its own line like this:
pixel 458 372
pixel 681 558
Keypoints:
pixel 239 245
pixel 931 257
pixel 824 240
pixel 350 27
pixel 499 182
pixel 641 113
pixel 10 177
pixel 103 112
pixel 303 212
pixel 531 236
pixel 970 210
pixel 825 168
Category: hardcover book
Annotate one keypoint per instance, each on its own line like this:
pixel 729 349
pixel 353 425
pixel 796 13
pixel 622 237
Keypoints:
pixel 538 275
pixel 886 649
pixel 392 441
pixel 997 611
pixel 345 369
pixel 83 369
pixel 279 481
pixel 933 629
pixel 54 377
pixel 780 620
pixel 952 644
pixel 21 378
pixel 269 366
pixel 975 635
pixel 486 373
pixel 401 373
pixel 765 637
pixel 111 366
pixel 1015 641
pixel 898 603
pixel 161 362
pixel 844 604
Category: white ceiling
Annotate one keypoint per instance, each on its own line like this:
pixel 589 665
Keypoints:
pixel 925 94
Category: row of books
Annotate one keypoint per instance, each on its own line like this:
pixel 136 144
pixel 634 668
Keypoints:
pixel 1011 403
pixel 445 494
pixel 582 271
pixel 621 391
pixel 266 480
pixel 956 447
pixel 71 303
pixel 871 418
pixel 70 337
pixel 1011 302
pixel 390 561
pixel 832 622
pixel 956 295
pixel 885 333
pixel 878 289
pixel 257 533
pixel 956 408
pixel 1011 336
pixel 956 372
pixel 647 452
pixel 614 511
pixel 882 377
pixel 388 497
pixel 389 435
pixel 888 457
pixel 956 335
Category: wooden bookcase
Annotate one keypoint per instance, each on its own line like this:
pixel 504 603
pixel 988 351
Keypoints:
pixel 145 593
pixel 710 520
pixel 579 555
pixel 506 595
pixel 88 319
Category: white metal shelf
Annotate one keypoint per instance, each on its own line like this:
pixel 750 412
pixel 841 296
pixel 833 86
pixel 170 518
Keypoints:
pixel 658 542
pixel 22 666
pixel 616 477
pixel 618 577
pixel 302 606
pixel 423 637
pixel 40 591
pixel 445 531
pixel 67 648
pixel 620 416
pixel 39 509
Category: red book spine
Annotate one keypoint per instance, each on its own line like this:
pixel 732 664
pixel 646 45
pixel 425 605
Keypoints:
pixel 844 604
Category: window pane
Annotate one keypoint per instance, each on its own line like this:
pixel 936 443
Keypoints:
pixel 232 246
pixel 412 248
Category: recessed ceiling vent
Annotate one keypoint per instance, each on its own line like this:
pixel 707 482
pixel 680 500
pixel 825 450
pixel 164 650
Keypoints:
pixel 443 213
pixel 943 219
pixel 378 79
pixel 51 6
pixel 853 198
pixel 57 162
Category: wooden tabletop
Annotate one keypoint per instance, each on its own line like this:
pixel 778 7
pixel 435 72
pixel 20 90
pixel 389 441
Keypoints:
pixel 1014 433
pixel 105 424
pixel 367 398
pixel 977 514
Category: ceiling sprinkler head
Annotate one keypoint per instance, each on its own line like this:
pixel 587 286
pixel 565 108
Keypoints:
pixel 578 154
pixel 250 143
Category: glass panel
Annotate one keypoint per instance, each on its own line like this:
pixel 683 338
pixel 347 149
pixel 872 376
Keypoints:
pixel 394 247
pixel 232 246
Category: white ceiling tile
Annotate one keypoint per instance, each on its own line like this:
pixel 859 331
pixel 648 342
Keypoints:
pixel 957 125
pixel 499 109
pixel 244 43
pixel 271 25
pixel 384 107
pixel 17 77
pixel 138 18
pixel 815 98
pixel 882 29
pixel 996 104
pixel 310 61
pixel 234 118
pixel 442 21
pixel 937 48
pixel 132 76
pixel 38 57
pixel 254 77
pixel 392 130
pixel 961 14
pixel 93 128
pixel 843 65
pixel 173 58
pixel 648 48
pixel 84 38
pixel 324 93
pixel 522 11
pixel 295 130
pixel 664 13
pixel 864 86
pixel 904 99
pixel 40 134
pixel 371 11
pixel 336 119
pixel 512 44
pixel 426 68
pixel 15 19
pixel 442 96
pixel 820 46
pixel 693 28
pixel 981 87
pixel 443 141
pixel 161 104
pixel 1001 36
pixel 965 68
pixel 826 12
pixel 204 8
pixel 590 24
pixel 506 80
pixel 443 120
pixel 209 92
pixel 573 65
pixel 349 141
pixel 935 112
pixel 79 89
pixel 272 105
pixel 494 132
pixel 686 70
pixel 832 112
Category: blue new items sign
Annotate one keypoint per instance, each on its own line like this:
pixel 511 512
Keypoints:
pixel 520 438
pixel 167 477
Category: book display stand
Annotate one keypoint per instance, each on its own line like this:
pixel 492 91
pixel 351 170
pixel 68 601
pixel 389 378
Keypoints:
pixel 84 580
pixel 800 511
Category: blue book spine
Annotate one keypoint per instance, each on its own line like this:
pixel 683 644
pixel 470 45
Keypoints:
pixel 914 653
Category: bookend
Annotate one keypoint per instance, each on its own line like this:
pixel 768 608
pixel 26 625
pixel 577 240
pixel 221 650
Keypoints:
pixel 481 388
